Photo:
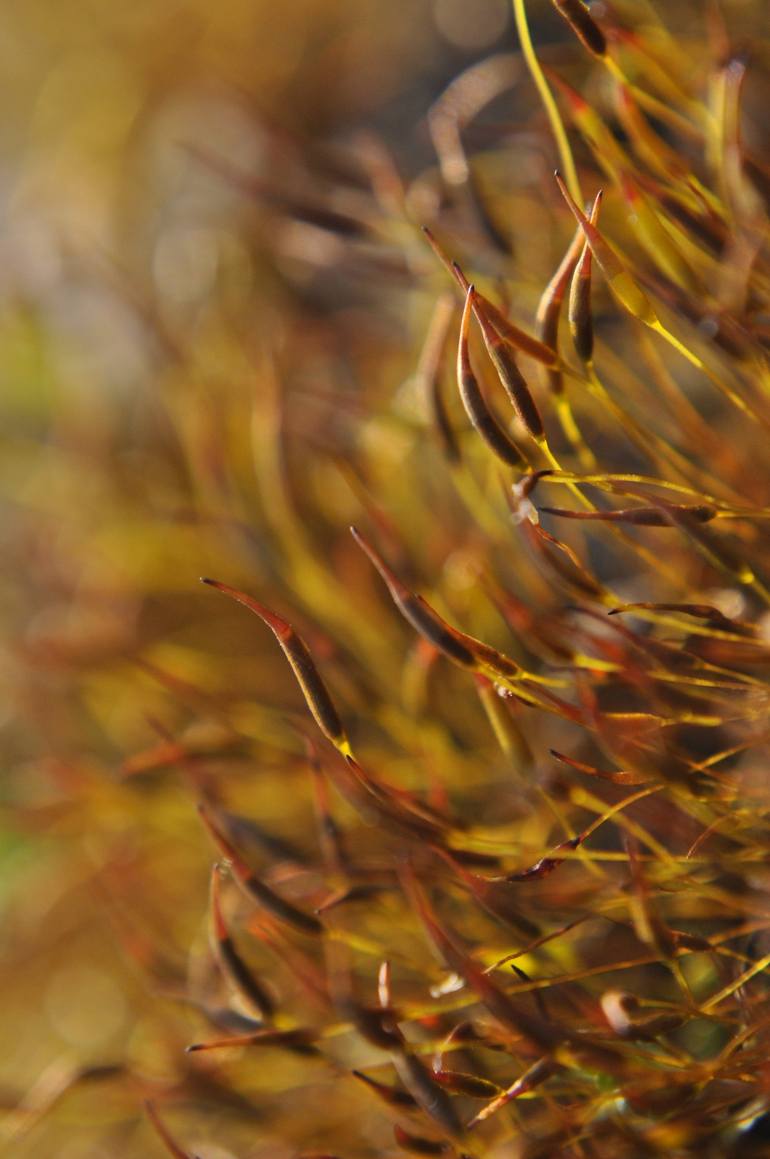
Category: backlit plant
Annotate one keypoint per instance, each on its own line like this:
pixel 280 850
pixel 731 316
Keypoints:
pixel 481 871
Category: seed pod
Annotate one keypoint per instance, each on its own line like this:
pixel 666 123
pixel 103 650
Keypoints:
pixel 546 1035
pixel 508 330
pixel 661 516
pixel 550 304
pixel 608 154
pixel 547 864
pixel 466 1084
pixel 715 618
pixel 618 1006
pixel 458 646
pixel 392 1096
pixel 579 313
pixel 429 375
pixel 298 1041
pixel 719 552
pixel 648 145
pixel 426 1092
pixel 628 292
pixel 583 25
pixel 375 1025
pixel 414 609
pixel 484 422
pixel 533 347
pixel 656 238
pixel 230 961
pixel 618 777
pixel 562 559
pixel 417 1144
pixel 536 1074
pixel 256 889
pixel 508 372
pixel 296 652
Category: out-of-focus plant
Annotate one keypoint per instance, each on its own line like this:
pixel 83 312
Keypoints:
pixel 447 836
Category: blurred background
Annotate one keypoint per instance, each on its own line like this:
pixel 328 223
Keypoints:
pixel 190 260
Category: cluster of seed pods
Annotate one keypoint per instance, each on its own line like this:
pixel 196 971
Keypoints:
pixel 549 941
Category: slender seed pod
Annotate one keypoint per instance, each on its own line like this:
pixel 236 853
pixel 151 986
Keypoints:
pixel 256 889
pixel 297 1041
pixel 417 1144
pixel 230 961
pixel 716 619
pixel 473 1086
pixel 509 374
pixel 583 25
pixel 463 649
pixel 550 304
pixel 609 155
pixel 414 609
pixel 655 238
pixel 518 338
pixel 425 1091
pixel 536 1074
pixel 579 312
pixel 484 422
pixel 503 1007
pixel 533 347
pixel 375 1025
pixel 618 777
pixel 661 516
pixel 648 145
pixel 628 292
pixel 429 375
pixel 296 652
pixel 392 1096
pixel 720 552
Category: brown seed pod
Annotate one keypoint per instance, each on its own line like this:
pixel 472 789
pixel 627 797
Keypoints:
pixel 414 609
pixel 518 338
pixel 296 652
pixel 579 310
pixel 510 376
pixel 392 1096
pixel 230 961
pixel 298 1041
pixel 429 374
pixel 256 889
pixel 661 516
pixel 473 1086
pixel 417 1144
pixel 484 422
pixel 583 25
pixel 550 304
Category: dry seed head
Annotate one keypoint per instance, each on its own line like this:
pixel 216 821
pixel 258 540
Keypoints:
pixel 296 651
pixel 579 314
pixel 484 422
pixel 510 376
pixel 582 23
pixel 624 287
